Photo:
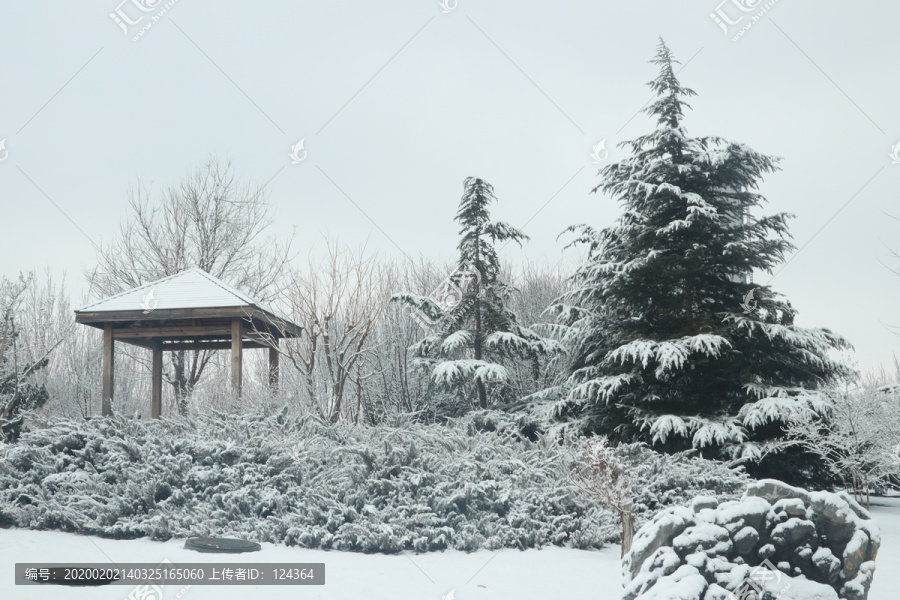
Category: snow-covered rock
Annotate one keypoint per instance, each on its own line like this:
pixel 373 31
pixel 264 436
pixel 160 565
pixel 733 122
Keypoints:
pixel 783 541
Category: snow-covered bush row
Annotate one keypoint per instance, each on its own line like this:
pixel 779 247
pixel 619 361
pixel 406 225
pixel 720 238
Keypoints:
pixel 344 487
pixel 778 540
pixel 276 478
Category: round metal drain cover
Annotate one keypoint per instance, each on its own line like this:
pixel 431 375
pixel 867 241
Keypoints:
pixel 228 545
pixel 57 576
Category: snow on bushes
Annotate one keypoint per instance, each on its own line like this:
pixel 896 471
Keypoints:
pixel 778 539
pixel 477 483
pixel 346 487
pixel 675 479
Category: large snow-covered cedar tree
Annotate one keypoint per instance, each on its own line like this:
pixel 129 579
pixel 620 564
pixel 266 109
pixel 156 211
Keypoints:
pixel 665 349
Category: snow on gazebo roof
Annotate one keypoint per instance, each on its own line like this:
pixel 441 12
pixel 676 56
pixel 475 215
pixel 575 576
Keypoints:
pixel 190 290
pixel 193 288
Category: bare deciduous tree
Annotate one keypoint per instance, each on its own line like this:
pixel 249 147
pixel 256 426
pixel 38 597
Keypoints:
pixel 17 393
pixel 45 321
pixel 592 467
pixel 859 441
pixel 209 220
pixel 398 388
pixel 338 302
pixel 537 286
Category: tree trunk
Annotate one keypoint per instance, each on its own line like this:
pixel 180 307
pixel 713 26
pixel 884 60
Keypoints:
pixel 689 297
pixel 865 488
pixel 179 382
pixel 479 384
pixel 627 518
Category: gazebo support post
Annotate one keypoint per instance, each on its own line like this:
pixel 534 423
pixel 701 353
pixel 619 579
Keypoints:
pixel 156 383
pixel 273 368
pixel 236 354
pixel 109 368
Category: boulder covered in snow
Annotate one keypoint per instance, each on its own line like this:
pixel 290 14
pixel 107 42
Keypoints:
pixel 777 541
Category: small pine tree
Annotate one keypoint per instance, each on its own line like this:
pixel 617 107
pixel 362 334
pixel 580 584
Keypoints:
pixel 475 333
pixel 662 351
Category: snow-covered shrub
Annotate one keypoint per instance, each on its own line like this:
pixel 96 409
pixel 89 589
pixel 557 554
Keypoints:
pixel 857 439
pixel 296 481
pixel 665 479
pixel 518 424
pixel 782 540
pixel 674 479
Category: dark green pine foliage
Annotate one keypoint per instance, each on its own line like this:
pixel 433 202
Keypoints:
pixel 475 334
pixel 662 348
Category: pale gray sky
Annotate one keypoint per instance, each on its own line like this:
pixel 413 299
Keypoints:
pixel 398 102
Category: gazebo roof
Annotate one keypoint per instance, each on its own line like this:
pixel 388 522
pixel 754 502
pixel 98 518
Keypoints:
pixel 191 294
pixel 193 288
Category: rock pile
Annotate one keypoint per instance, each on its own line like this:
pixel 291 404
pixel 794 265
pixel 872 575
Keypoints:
pixel 779 540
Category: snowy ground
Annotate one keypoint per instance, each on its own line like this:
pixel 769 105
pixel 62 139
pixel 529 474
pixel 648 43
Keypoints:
pixel 508 574
pixel 887 566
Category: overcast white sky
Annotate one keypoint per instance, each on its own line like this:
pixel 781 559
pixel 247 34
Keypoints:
pixel 398 102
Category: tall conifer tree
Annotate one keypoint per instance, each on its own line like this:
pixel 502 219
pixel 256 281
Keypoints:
pixel 664 347
pixel 477 333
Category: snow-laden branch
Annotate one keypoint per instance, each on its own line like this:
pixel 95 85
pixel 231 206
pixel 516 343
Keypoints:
pixel 670 354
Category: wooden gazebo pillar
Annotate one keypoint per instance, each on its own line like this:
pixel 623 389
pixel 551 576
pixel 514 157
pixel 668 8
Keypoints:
pixel 156 383
pixel 109 368
pixel 236 353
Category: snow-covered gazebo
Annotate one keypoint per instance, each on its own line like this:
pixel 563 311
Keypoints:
pixel 191 310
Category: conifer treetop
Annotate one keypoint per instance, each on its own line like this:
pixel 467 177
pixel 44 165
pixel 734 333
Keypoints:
pixel 473 217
